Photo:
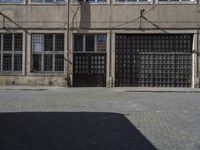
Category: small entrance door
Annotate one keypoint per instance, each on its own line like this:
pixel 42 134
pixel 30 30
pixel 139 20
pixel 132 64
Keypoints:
pixel 89 70
pixel 89 60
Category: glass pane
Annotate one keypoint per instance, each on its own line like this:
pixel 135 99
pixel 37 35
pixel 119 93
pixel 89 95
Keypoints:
pixel 18 42
pixel 59 62
pixel 60 0
pixel 7 62
pixel 47 62
pixel 49 1
pixel 78 42
pixel 36 62
pixel 48 42
pixel 120 0
pixel 59 43
pixel 7 42
pixel 11 1
pixel 18 62
pixel 37 1
pixel 101 42
pixel 90 0
pixel 37 43
pixel 89 43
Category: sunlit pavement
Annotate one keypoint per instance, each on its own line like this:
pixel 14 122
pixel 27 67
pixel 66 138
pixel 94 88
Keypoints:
pixel 168 118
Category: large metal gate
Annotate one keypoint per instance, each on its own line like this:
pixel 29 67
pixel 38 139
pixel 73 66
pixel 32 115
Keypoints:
pixel 162 60
pixel 89 69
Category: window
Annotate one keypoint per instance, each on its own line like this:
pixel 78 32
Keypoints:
pixel 177 0
pixel 90 42
pixel 48 1
pixel 92 1
pixel 47 53
pixel 11 52
pixel 133 0
pixel 11 1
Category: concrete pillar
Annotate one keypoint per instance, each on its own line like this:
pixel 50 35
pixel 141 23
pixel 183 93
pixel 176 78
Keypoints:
pixel 28 54
pixel 195 81
pixel 198 60
pixel 112 78
pixel 109 60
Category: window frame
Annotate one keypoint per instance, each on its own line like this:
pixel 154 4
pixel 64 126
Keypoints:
pixel 179 2
pixel 84 42
pixel 76 2
pixel 53 53
pixel 65 2
pixel 14 3
pixel 133 2
pixel 12 53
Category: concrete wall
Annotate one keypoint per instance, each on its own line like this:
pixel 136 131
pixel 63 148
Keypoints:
pixel 102 16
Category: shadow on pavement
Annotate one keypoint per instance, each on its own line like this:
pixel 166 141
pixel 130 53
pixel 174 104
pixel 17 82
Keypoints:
pixel 69 131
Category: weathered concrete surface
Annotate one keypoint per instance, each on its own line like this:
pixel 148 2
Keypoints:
pixel 102 16
pixel 169 120
pixel 34 80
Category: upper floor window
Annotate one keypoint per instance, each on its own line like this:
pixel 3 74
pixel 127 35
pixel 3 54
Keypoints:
pixel 47 53
pixel 92 1
pixel 133 0
pixel 11 1
pixel 11 52
pixel 177 0
pixel 47 1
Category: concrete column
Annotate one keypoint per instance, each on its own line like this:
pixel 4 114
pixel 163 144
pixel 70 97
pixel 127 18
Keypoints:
pixel 109 60
pixel 112 78
pixel 194 61
pixel 70 59
pixel 24 53
pixel 28 54
pixel 198 60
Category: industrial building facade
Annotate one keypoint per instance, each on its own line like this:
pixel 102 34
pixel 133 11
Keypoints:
pixel 100 43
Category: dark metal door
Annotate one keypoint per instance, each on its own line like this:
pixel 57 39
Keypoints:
pixel 89 70
pixel 162 60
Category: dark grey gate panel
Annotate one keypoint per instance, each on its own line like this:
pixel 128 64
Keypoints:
pixel 162 60
pixel 89 70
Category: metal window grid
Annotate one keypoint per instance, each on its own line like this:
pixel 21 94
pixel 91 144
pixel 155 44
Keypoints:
pixel 177 0
pixel 10 52
pixel 133 1
pixel 92 1
pixel 89 60
pixel 11 1
pixel 153 60
pixel 48 1
pixel 90 43
pixel 45 51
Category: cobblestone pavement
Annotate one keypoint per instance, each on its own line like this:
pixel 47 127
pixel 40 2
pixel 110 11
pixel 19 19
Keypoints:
pixel 169 120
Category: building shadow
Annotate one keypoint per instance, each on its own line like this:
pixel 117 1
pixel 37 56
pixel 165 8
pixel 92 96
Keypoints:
pixel 69 131
pixel 85 16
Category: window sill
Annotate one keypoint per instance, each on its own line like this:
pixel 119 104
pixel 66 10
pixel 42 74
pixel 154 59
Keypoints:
pixel 45 3
pixel 22 3
pixel 90 3
pixel 61 73
pixel 134 3
pixel 11 73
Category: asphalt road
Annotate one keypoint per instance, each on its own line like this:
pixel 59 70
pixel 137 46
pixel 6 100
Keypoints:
pixel 47 118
